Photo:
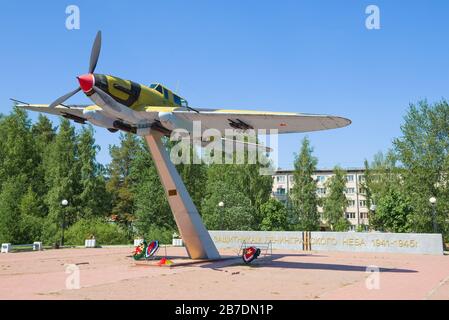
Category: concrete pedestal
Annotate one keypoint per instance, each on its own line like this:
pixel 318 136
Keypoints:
pixel 196 238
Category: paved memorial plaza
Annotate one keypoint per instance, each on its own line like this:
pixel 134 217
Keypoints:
pixel 111 273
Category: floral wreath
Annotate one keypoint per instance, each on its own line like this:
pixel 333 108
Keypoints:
pixel 249 254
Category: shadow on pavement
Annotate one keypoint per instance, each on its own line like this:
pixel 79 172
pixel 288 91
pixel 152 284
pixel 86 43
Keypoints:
pixel 275 262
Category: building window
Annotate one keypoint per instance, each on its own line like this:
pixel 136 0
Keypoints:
pixel 364 215
pixel 362 190
pixel 351 203
pixel 291 178
pixel 361 178
pixel 350 190
pixel 280 191
pixel 350 178
pixel 321 179
pixel 362 203
pixel 350 215
pixel 321 191
pixel 351 228
pixel 280 179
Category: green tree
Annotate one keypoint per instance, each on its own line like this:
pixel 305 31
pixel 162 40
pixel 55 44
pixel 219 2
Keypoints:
pixel 245 173
pixel 383 183
pixel 17 149
pixel 366 184
pixel 275 216
pixel 104 232
pixel 62 178
pixel 43 135
pixel 393 212
pixel 43 132
pixel 244 179
pixel 335 202
pixel 10 218
pixel 93 200
pixel 303 197
pixel 423 151
pixel 119 184
pixel 18 162
pixel 20 212
pixel 194 177
pixel 257 187
pixel 32 216
pixel 237 212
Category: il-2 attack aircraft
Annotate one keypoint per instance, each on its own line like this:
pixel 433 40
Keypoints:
pixel 126 105
pixel 155 111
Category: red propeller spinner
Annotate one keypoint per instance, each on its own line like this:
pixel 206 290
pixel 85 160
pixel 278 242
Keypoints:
pixel 86 82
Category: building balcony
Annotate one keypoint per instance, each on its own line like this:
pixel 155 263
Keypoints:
pixel 279 196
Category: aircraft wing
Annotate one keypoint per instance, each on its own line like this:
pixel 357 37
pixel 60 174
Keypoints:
pixel 220 119
pixel 284 122
pixel 74 112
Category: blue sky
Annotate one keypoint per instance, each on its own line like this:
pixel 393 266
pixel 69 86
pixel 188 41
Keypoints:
pixel 299 56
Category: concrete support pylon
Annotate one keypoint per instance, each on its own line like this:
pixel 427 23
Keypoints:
pixel 196 238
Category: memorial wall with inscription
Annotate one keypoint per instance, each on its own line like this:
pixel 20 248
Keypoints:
pixel 418 243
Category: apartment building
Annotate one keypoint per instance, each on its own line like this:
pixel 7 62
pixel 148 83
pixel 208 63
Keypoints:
pixel 357 210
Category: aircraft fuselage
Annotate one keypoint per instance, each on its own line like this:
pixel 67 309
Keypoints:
pixel 131 94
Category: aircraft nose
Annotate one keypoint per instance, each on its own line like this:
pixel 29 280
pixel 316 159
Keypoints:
pixel 86 82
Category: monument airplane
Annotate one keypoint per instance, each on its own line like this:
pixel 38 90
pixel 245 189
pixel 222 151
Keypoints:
pixel 153 112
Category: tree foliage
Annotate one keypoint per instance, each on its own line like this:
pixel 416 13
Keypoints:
pixel 275 216
pixel 92 199
pixel 151 206
pixel 423 152
pixel 303 196
pixel 393 212
pixel 335 202
pixel 237 212
pixel 120 184
pixel 103 232
pixel 244 179
pixel 10 227
pixel 384 185
pixel 62 178
pixel 18 157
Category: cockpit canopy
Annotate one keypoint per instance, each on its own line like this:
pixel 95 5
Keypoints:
pixel 169 95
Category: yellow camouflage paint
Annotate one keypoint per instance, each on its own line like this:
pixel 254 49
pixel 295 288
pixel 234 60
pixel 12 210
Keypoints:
pixel 113 91
pixel 146 97
pixel 150 97
pixel 160 109
pixel 92 107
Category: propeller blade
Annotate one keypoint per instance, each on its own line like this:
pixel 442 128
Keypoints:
pixel 60 100
pixel 95 53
